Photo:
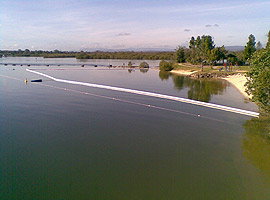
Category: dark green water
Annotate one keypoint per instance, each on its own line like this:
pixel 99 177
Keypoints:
pixel 61 144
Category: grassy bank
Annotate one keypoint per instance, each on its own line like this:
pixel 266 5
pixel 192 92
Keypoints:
pixel 210 69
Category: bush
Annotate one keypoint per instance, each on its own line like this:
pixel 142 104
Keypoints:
pixel 165 66
pixel 129 64
pixel 144 65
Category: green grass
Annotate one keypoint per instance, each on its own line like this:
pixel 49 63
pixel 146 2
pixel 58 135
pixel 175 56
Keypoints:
pixel 209 69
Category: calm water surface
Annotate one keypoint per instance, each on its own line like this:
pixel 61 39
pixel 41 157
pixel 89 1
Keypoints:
pixel 61 141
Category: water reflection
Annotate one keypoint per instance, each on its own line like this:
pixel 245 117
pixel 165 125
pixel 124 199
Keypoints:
pixel 131 70
pixel 256 144
pixel 164 75
pixel 198 89
pixel 145 70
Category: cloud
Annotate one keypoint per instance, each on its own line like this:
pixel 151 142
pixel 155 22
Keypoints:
pixel 187 30
pixel 123 34
pixel 210 25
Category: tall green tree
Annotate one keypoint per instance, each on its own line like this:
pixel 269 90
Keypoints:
pixel 207 45
pixel 250 47
pixel 198 42
pixel 192 43
pixel 268 41
pixel 258 84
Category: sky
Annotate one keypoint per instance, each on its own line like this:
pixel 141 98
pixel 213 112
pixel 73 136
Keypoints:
pixel 75 25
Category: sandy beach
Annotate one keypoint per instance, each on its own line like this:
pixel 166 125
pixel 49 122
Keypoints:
pixel 238 81
pixel 182 72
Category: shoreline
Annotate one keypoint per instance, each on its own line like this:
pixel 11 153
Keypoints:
pixel 237 80
pixel 182 72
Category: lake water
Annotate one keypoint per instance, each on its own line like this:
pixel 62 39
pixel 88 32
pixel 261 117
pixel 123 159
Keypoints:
pixel 63 141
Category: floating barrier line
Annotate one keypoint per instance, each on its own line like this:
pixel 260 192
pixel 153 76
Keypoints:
pixel 162 96
pixel 127 101
pixel 136 103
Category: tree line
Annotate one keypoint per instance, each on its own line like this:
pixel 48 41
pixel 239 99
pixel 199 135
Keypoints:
pixel 131 55
pixel 203 50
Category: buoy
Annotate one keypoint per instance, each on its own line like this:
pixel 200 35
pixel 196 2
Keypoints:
pixel 25 80
pixel 38 80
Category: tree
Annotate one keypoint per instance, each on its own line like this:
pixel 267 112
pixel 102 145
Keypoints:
pixel 144 65
pixel 165 66
pixel 258 84
pixel 200 49
pixel 192 42
pixel 258 46
pixel 180 54
pixel 250 47
pixel 232 58
pixel 207 44
pixel 214 56
pixel 223 53
pixel 198 42
pixel 268 41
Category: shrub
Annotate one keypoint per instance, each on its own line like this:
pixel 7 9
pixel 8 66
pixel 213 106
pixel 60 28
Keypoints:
pixel 165 66
pixel 144 65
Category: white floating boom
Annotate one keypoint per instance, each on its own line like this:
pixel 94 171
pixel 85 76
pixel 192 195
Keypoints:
pixel 151 94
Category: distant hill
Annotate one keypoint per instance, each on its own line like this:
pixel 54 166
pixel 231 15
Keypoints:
pixel 234 48
pixel 128 49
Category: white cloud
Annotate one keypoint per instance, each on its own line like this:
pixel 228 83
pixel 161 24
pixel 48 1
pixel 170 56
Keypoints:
pixel 123 34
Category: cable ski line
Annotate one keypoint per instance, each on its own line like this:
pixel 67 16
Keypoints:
pixel 151 94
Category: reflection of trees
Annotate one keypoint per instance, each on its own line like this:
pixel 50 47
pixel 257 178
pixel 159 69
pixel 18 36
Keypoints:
pixel 201 90
pixel 179 82
pixel 131 70
pixel 256 144
pixel 163 75
pixel 144 70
